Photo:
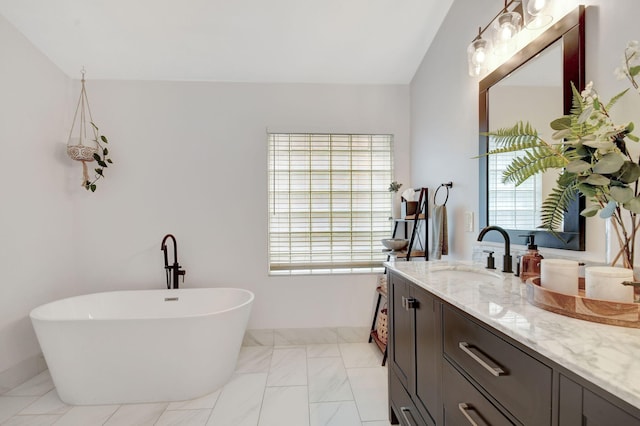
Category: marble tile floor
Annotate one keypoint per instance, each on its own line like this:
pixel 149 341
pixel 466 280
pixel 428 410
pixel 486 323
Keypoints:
pixel 332 384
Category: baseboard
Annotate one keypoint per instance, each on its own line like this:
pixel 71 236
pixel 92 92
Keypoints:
pixel 305 336
pixel 21 372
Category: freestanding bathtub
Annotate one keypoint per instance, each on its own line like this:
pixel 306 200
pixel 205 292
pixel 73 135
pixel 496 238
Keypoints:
pixel 142 346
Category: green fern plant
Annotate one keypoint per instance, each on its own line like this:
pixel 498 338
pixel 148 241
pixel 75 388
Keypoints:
pixel 591 153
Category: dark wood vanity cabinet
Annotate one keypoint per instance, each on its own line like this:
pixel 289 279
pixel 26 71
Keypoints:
pixel 414 354
pixel 448 368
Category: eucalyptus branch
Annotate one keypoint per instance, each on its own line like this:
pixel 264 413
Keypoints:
pixel 629 56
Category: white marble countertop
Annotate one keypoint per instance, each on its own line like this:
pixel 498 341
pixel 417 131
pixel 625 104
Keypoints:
pixel 606 355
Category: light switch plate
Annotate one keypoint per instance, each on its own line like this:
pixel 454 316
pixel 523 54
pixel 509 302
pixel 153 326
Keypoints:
pixel 468 221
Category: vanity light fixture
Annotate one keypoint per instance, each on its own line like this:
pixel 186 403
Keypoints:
pixel 500 33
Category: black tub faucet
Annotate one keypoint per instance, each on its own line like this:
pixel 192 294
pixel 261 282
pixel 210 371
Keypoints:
pixel 172 271
pixel 506 263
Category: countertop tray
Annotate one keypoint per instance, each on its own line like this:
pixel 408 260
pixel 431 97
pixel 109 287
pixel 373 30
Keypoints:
pixel 581 307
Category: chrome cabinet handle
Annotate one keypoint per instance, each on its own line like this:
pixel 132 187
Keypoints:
pixel 404 302
pixel 493 369
pixel 407 411
pixel 466 411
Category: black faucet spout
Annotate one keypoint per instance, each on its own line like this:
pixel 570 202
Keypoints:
pixel 507 261
pixel 163 247
pixel 172 271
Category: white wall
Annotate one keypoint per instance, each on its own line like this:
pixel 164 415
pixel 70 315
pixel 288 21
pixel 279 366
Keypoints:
pixel 191 159
pixel 36 241
pixel 444 118
pixel 444 107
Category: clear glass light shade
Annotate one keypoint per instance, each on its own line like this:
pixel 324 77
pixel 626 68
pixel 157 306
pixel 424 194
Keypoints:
pixel 505 28
pixel 537 13
pixel 478 57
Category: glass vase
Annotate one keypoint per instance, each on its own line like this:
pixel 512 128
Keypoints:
pixel 620 250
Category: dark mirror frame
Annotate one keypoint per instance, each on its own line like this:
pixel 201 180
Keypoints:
pixel 570 30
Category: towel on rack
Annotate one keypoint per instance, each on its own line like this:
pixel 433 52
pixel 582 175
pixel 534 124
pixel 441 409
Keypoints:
pixel 440 244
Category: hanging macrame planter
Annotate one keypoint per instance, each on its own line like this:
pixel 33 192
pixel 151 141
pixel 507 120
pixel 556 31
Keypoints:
pixel 85 142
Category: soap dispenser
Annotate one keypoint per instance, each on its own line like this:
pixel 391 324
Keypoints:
pixel 530 262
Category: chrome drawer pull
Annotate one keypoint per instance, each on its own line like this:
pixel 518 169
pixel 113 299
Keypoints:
pixel 466 412
pixel 493 369
pixel 405 411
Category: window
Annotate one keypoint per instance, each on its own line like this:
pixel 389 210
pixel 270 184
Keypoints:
pixel 329 203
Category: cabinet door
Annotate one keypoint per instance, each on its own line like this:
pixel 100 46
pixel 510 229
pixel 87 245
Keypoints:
pixel 581 407
pixel 570 405
pixel 596 411
pixel 428 354
pixel 400 329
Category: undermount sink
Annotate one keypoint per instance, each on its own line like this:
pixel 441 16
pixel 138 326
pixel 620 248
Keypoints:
pixel 468 273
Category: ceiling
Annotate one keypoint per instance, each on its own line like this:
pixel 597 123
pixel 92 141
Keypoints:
pixel 286 41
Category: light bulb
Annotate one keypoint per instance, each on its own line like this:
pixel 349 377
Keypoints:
pixel 507 31
pixel 479 57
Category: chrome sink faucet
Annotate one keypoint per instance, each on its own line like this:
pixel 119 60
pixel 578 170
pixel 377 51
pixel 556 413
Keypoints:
pixel 172 271
pixel 506 263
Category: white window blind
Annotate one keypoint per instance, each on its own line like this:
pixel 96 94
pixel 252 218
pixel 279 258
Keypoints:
pixel 510 206
pixel 329 203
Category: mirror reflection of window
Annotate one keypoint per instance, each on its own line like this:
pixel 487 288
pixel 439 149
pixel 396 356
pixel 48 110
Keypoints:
pixel 532 93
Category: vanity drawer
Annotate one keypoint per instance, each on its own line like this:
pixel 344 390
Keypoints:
pixel 521 383
pixel 464 404
pixel 403 406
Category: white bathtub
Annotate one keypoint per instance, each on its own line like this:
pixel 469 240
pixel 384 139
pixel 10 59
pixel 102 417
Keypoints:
pixel 142 346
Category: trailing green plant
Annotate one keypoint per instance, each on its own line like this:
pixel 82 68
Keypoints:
pixel 591 153
pixel 100 157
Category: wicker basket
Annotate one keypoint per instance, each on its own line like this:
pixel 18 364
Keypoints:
pixel 382 283
pixel 382 325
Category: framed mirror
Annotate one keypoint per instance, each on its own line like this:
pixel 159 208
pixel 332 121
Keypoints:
pixel 535 86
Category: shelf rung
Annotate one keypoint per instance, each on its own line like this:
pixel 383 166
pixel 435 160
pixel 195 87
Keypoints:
pixel 413 217
pixel 403 255
pixel 382 346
